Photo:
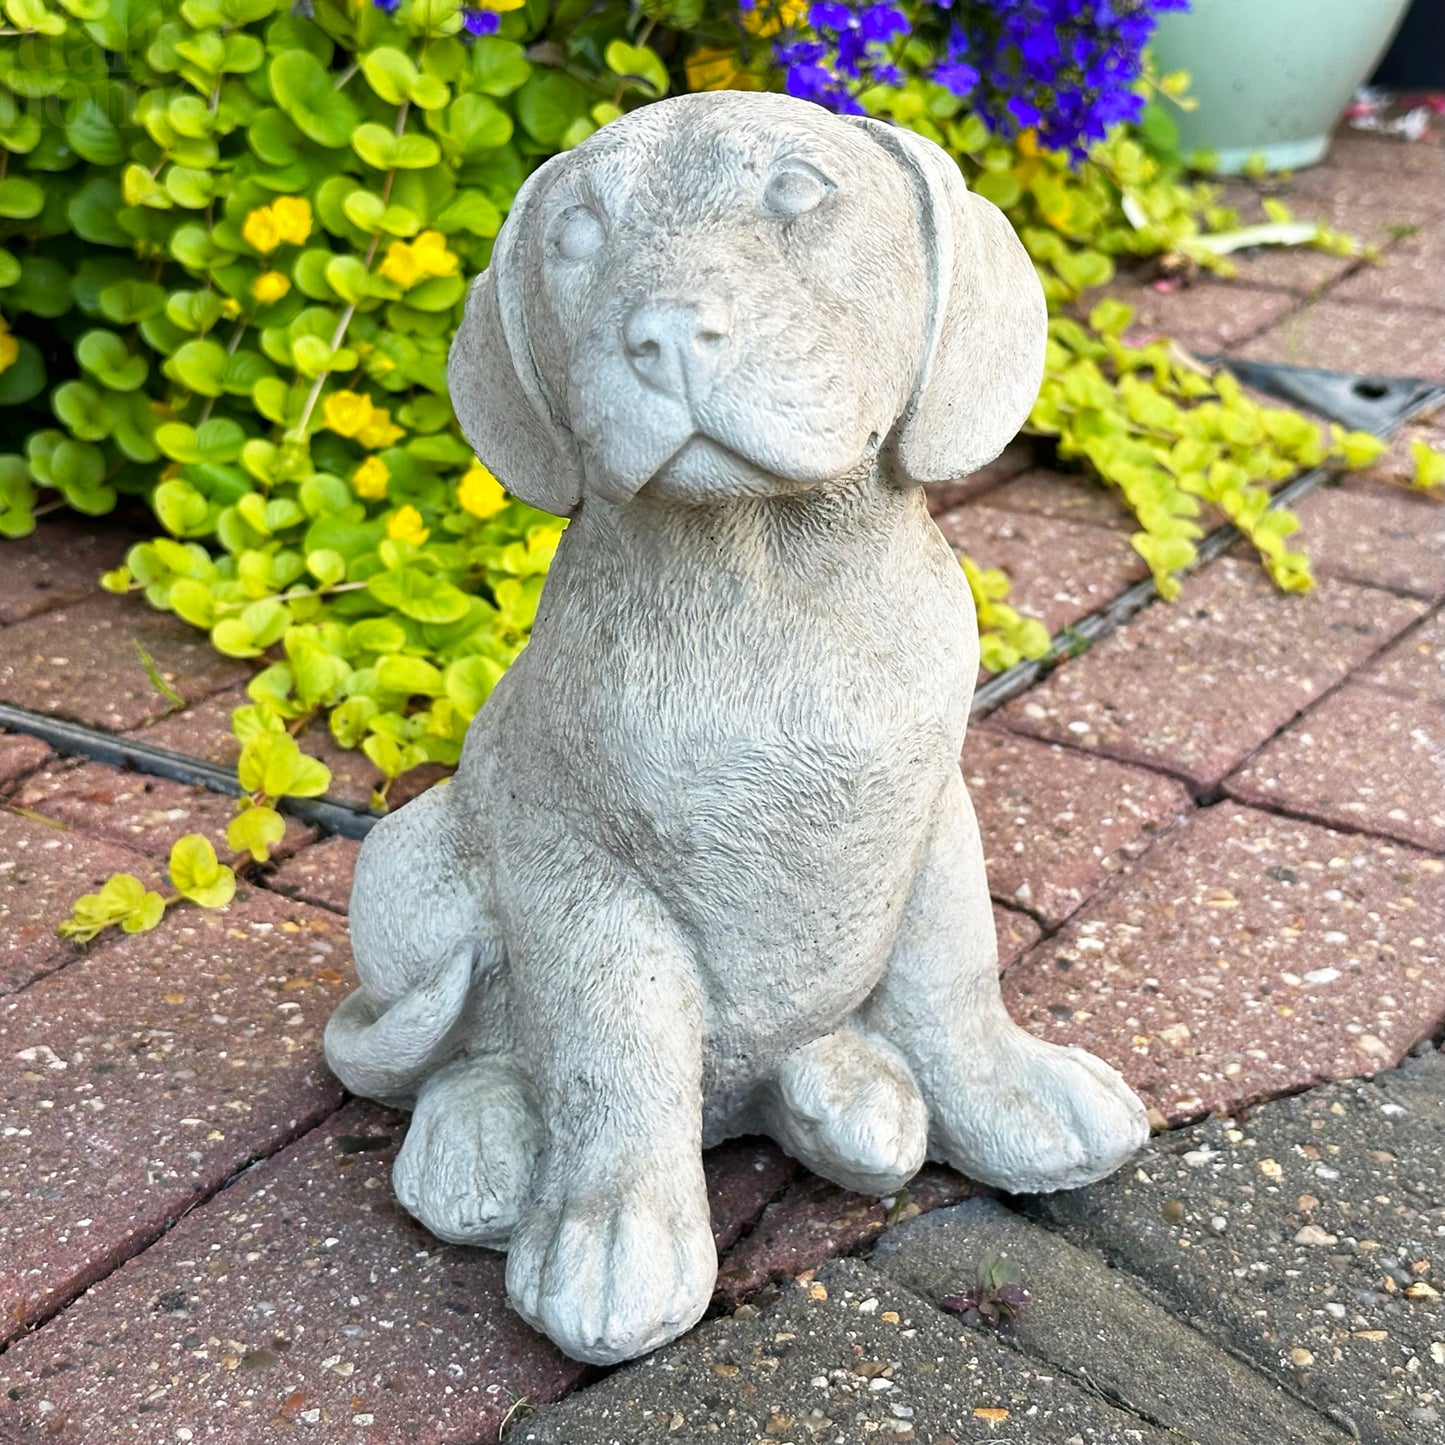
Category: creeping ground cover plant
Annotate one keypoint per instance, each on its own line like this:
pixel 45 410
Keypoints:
pixel 235 238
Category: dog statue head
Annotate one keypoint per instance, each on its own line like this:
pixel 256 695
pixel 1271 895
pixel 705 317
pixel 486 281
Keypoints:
pixel 742 295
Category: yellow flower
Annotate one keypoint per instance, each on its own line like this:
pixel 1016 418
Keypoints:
pixel 380 431
pixel 404 525
pixel 230 308
pixel 431 252
pixel 408 262
pixel 260 231
pixel 400 265
pixel 480 492
pixel 270 286
pixel 370 478
pixel 9 347
pixel 347 413
pixel 293 218
pixel 501 6
pixel 286 221
pixel 767 18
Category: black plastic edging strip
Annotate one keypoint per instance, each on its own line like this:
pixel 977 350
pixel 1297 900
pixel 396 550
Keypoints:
pixel 76 739
pixel 1109 618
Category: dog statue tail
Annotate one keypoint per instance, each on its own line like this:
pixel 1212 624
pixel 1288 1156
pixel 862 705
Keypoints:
pixel 385 1053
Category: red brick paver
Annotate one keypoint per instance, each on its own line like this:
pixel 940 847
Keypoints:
pixel 301 1301
pixel 139 811
pixel 1362 759
pixel 1377 535
pixel 319 874
pixel 19 755
pixel 1248 956
pixel 43 870
pixel 1017 456
pixel 1057 824
pixel 141 1078
pixel 1350 336
pixel 1068 497
pixel 1060 571
pixel 1194 687
pixel 81 662
pixel 1415 665
pixel 60 562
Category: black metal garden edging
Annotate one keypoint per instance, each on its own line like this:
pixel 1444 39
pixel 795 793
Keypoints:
pixel 1376 404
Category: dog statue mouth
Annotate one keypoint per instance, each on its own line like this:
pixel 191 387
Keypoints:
pixel 704 469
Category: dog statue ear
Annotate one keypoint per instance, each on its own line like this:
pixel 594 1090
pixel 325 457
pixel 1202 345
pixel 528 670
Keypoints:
pixel 983 348
pixel 494 385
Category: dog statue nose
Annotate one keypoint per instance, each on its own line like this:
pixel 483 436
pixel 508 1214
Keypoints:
pixel 676 346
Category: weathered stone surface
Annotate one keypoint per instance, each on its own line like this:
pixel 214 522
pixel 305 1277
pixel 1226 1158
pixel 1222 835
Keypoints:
pixel 1069 496
pixel 1305 1237
pixel 43 870
pixel 1297 269
pixel 1377 535
pixel 1058 824
pixel 1361 759
pixel 849 1356
pixel 1350 336
pixel 300 1301
pixel 1415 665
pixel 81 662
pixel 142 1077
pixel 1396 468
pixel 58 563
pixel 1015 458
pixel 1193 687
pixel 814 1221
pixel 19 755
pixel 1090 1323
pixel 139 811
pixel 319 874
pixel 1246 956
pixel 1060 570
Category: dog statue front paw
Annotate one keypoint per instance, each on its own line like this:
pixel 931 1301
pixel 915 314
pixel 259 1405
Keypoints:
pixel 613 1269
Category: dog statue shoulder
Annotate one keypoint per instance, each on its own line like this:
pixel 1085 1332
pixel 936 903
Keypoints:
pixel 708 866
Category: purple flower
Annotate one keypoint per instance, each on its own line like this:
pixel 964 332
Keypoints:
pixel 481 22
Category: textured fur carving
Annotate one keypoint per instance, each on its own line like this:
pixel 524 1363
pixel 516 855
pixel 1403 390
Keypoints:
pixel 708 865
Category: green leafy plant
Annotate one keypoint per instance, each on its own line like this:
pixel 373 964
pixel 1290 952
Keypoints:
pixel 234 243
pixel 271 767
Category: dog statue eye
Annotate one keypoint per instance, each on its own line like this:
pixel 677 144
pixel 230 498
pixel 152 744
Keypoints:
pixel 796 190
pixel 579 234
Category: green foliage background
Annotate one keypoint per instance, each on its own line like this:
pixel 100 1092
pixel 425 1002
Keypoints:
pixel 236 241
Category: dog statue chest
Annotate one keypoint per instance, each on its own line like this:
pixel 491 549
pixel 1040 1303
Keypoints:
pixel 682 641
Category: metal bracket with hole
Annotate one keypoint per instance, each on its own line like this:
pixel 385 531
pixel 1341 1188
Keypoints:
pixel 1364 403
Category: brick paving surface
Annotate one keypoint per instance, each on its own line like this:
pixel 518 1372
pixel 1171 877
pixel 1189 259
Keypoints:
pixel 139 811
pixel 1415 665
pixel 1360 759
pixel 57 564
pixel 43 870
pixel 1060 570
pixel 1377 535
pixel 1057 823
pixel 1195 687
pixel 81 662
pixel 1246 956
pixel 138 1080
pixel 198 1239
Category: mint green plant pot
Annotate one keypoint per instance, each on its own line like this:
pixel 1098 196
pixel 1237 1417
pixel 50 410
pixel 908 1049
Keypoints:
pixel 1271 76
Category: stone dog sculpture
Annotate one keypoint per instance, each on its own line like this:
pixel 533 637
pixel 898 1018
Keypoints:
pixel 708 866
